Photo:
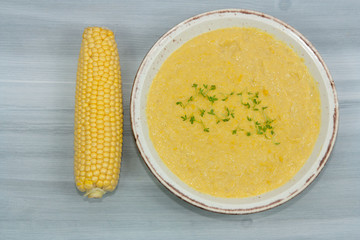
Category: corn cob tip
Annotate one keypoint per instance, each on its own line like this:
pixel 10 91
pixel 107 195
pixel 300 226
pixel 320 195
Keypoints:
pixel 95 193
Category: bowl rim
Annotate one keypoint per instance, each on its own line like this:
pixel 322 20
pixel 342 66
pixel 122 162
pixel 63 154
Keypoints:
pixel 277 202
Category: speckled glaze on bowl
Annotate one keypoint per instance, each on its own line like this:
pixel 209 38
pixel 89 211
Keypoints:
pixel 209 21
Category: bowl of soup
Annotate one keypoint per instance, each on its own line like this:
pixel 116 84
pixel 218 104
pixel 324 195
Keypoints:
pixel 234 111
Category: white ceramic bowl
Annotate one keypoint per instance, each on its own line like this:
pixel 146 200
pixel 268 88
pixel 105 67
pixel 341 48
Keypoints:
pixel 191 28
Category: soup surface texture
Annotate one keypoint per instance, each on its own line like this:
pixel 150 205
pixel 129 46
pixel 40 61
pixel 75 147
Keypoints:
pixel 234 112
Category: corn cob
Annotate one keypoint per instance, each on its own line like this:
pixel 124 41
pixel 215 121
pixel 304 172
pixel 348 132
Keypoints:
pixel 98 114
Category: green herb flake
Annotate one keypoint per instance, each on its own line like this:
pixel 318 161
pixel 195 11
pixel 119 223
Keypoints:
pixel 201 91
pixel 227 111
pixel 180 104
pixel 212 99
pixel 227 96
pixel 246 104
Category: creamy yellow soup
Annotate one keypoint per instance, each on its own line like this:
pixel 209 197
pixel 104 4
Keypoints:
pixel 234 112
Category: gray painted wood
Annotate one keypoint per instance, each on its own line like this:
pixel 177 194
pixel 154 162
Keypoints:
pixel 39 46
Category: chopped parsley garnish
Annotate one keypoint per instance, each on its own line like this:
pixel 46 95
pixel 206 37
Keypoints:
pixel 258 124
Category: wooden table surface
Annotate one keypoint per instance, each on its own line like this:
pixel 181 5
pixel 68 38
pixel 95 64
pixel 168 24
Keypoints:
pixel 39 47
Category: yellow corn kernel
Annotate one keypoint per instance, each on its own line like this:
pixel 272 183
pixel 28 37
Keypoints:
pixel 98 114
pixel 265 92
